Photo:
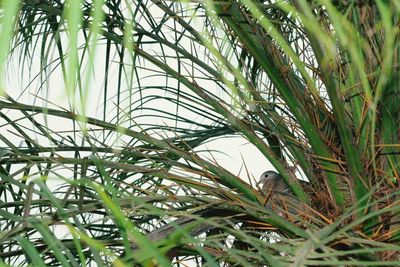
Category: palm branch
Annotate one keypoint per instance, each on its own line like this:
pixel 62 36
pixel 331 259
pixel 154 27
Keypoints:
pixel 312 85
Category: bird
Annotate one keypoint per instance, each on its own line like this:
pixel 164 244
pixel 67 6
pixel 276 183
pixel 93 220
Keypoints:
pixel 279 197
pixel 271 181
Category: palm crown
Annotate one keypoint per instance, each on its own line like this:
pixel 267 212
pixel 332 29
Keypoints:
pixel 313 85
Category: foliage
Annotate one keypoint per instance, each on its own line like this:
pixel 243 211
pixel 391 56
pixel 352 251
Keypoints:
pixel 313 85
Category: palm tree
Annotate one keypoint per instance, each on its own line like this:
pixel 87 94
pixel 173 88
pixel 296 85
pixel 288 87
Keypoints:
pixel 313 85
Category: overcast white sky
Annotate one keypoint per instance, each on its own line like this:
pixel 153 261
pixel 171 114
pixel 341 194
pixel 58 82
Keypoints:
pixel 236 154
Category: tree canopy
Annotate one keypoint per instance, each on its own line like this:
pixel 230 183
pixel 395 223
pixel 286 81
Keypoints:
pixel 106 106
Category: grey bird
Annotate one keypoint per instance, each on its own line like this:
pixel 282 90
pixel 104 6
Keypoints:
pixel 271 181
pixel 280 197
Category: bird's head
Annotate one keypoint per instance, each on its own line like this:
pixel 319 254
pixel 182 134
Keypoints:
pixel 272 181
